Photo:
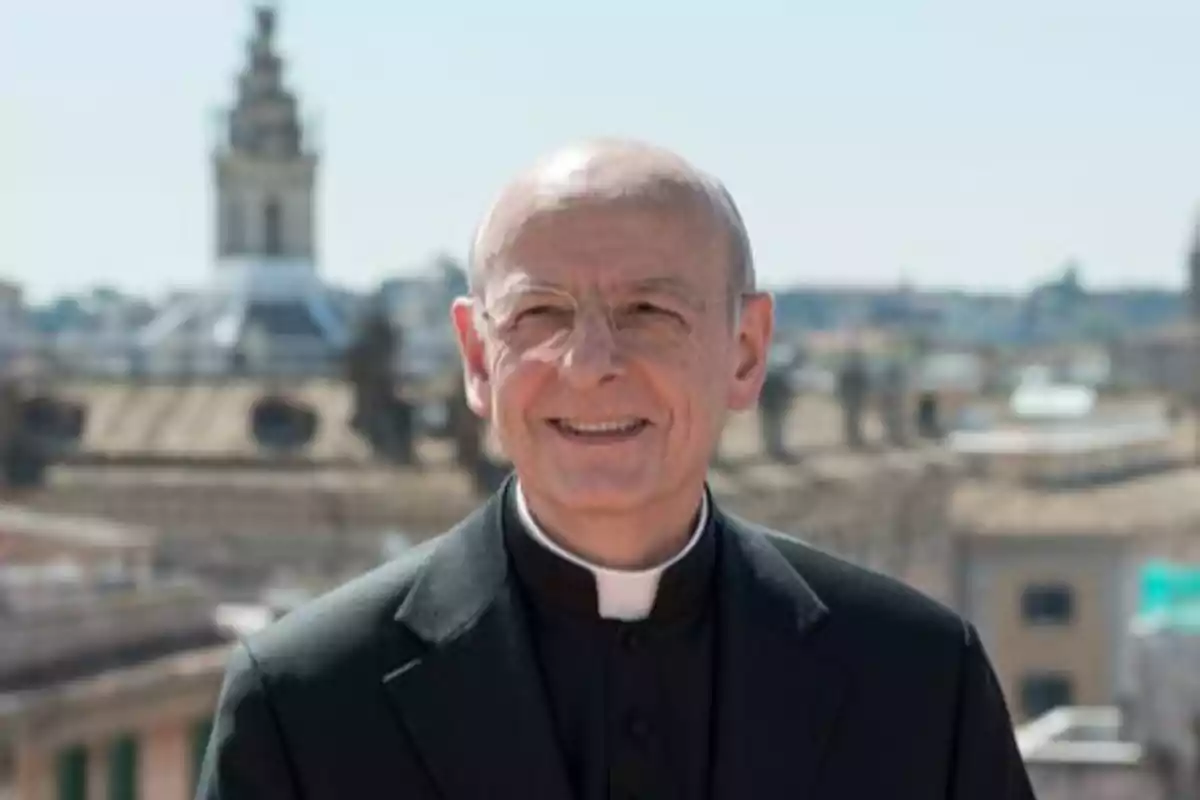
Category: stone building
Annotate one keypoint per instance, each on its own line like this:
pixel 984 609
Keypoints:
pixel 1148 746
pixel 1052 529
pixel 109 670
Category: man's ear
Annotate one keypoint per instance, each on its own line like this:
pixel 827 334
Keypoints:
pixel 465 318
pixel 755 327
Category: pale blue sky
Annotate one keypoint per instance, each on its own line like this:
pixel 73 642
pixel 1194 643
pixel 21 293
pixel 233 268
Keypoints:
pixel 971 144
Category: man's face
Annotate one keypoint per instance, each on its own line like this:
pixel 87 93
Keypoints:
pixel 602 347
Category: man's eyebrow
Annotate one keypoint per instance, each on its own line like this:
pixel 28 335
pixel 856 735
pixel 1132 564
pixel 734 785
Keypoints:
pixel 522 285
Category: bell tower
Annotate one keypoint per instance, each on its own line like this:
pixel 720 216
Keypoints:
pixel 265 306
pixel 265 174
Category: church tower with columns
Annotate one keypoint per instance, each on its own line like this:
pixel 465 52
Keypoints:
pixel 264 171
pixel 265 308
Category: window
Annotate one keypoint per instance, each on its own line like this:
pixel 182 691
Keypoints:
pixel 123 769
pixel 72 769
pixel 273 228
pixel 1042 692
pixel 1048 604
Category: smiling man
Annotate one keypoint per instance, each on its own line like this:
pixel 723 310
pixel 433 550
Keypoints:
pixel 600 628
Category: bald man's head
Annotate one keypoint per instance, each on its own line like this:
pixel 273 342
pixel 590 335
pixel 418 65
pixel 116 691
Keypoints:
pixel 612 172
pixel 613 325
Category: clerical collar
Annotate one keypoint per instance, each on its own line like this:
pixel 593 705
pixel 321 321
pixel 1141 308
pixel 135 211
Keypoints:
pixel 625 595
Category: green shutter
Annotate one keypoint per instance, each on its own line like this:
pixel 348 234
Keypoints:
pixel 72 770
pixel 201 731
pixel 123 769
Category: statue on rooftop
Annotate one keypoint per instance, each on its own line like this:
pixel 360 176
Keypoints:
pixel 774 402
pixel 466 429
pixel 470 453
pixel 380 415
pixel 893 394
pixel 853 386
pixel 22 461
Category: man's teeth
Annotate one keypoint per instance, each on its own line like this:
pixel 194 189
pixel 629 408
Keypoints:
pixel 615 426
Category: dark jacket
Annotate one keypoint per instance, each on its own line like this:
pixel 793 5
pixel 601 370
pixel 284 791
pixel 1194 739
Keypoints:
pixel 418 681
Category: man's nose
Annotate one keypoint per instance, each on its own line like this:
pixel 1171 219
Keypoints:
pixel 591 355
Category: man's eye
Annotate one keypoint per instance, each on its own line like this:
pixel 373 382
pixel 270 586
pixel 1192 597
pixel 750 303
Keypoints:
pixel 540 312
pixel 650 310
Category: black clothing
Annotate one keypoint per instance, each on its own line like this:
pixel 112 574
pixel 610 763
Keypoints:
pixel 420 681
pixel 630 701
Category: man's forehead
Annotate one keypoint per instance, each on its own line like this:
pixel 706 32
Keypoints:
pixel 595 176
pixel 611 247
pixel 588 223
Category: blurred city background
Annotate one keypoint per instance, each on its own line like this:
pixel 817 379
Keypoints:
pixel 228 381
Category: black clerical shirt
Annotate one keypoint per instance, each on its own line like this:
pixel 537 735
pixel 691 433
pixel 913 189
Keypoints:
pixel 631 701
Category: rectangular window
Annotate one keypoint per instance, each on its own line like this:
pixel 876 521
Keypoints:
pixel 1048 604
pixel 123 769
pixel 1042 692
pixel 72 769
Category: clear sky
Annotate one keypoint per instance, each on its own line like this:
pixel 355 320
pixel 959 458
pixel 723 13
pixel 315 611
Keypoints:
pixel 955 143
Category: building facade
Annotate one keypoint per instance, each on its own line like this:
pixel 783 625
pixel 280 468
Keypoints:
pixel 109 671
pixel 1052 530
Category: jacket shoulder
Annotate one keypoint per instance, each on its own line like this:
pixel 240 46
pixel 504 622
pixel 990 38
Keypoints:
pixel 344 620
pixel 866 605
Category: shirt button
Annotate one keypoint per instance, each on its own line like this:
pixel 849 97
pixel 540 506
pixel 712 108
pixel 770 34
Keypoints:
pixel 630 639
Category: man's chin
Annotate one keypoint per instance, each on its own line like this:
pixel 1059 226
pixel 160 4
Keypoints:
pixel 600 493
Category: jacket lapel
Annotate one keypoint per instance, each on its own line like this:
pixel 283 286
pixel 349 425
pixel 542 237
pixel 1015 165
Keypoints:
pixel 469 693
pixel 778 689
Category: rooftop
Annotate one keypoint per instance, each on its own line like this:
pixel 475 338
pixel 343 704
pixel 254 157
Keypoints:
pixel 1066 439
pixel 74 531
pixel 1166 501
pixel 1078 735
pixel 102 661
pixel 209 420
pixel 167 669
pixel 54 626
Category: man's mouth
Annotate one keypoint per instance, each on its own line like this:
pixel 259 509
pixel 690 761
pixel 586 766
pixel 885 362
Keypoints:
pixel 600 430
